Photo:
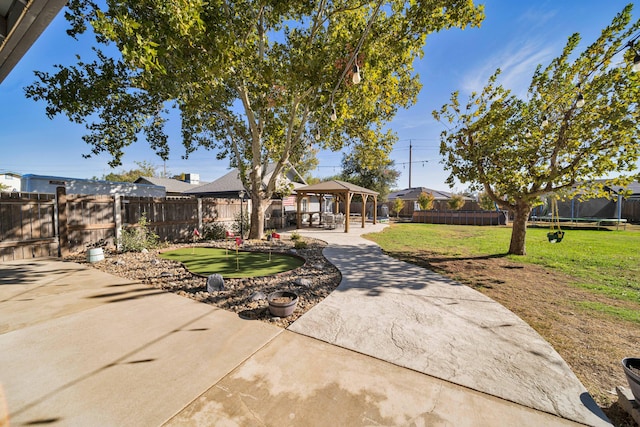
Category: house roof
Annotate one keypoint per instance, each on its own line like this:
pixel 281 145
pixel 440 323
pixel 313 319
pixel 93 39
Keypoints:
pixel 171 185
pixel 23 23
pixel 229 185
pixel 335 186
pixel 413 193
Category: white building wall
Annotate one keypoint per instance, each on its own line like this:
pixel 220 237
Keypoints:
pixel 10 180
pixel 48 184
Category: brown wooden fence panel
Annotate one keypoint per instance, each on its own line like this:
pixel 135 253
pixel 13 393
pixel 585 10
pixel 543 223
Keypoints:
pixel 27 226
pixel 28 221
pixel 90 221
pixel 459 217
pixel 631 210
pixel 171 219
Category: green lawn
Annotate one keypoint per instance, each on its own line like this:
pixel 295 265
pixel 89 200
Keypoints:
pixel 206 261
pixel 606 262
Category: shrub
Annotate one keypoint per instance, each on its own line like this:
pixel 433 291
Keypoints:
pixel 456 202
pixel 425 201
pixel 138 238
pixel 214 231
pixel 486 202
pixel 397 206
pixel 241 219
pixel 300 244
pixel 295 236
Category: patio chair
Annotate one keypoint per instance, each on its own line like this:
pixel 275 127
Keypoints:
pixel 329 221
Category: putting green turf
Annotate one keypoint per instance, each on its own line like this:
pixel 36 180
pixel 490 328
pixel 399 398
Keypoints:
pixel 206 261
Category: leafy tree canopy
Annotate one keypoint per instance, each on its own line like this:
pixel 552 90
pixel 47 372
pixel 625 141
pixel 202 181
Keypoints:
pixel 144 169
pixel 259 82
pixel 397 206
pixel 425 200
pixel 455 202
pixel 380 177
pixel 579 122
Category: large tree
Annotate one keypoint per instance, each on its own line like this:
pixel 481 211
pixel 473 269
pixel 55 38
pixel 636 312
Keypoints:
pixel 143 168
pixel 380 177
pixel 260 81
pixel 578 122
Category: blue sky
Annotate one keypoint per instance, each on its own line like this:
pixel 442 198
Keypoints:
pixel 515 36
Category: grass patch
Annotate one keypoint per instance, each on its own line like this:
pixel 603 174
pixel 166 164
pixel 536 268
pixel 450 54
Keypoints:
pixel 627 314
pixel 605 262
pixel 207 261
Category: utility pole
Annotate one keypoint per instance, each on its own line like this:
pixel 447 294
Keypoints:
pixel 410 149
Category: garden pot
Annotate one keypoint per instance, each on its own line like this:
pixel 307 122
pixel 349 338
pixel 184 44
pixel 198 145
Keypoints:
pixel 631 367
pixel 95 255
pixel 282 303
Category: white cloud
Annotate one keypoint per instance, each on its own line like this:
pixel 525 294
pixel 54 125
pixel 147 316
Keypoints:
pixel 518 61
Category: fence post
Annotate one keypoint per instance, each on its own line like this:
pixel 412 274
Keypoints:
pixel 63 232
pixel 117 219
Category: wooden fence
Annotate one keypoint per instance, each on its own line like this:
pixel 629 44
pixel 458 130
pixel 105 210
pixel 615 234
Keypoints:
pixel 460 217
pixel 27 226
pixel 40 225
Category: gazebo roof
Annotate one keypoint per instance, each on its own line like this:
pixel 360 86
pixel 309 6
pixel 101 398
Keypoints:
pixel 335 186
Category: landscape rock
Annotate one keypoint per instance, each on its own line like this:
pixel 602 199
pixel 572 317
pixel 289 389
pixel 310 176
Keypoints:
pixel 237 295
pixel 303 282
pixel 215 283
pixel 258 296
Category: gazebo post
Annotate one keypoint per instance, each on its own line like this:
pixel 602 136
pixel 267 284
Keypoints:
pixel 364 208
pixel 298 216
pixel 375 209
pixel 347 214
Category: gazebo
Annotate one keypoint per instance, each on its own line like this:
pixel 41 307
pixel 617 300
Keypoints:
pixel 342 191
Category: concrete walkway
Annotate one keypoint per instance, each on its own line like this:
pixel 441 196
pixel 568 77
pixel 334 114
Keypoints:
pixel 414 318
pixel 393 345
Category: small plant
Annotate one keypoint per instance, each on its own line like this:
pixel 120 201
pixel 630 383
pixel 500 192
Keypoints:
pixel 456 202
pixel 138 238
pixel 300 244
pixel 241 219
pixel 425 201
pixel 214 231
pixel 295 236
pixel 398 205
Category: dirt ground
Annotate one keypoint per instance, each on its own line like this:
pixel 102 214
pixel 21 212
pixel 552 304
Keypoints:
pixel 592 344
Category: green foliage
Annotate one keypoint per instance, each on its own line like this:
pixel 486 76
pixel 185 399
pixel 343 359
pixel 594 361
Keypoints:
pixel 300 244
pixel 425 201
pixel 254 81
pixel 295 236
pixel 517 150
pixel 486 202
pixel 140 237
pixel 397 206
pixel 455 202
pixel 214 231
pixel 380 177
pixel 241 220
pixel 144 169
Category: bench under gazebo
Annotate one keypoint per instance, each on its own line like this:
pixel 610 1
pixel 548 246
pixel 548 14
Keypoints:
pixel 342 192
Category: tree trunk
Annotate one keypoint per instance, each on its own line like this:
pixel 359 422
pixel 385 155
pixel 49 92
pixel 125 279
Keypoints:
pixel 258 207
pixel 519 230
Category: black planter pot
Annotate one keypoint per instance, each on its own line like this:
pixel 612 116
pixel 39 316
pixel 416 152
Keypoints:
pixel 631 367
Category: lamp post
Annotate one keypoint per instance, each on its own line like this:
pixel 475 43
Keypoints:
pixel 241 194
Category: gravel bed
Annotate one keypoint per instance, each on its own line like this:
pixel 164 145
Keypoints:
pixel 313 281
